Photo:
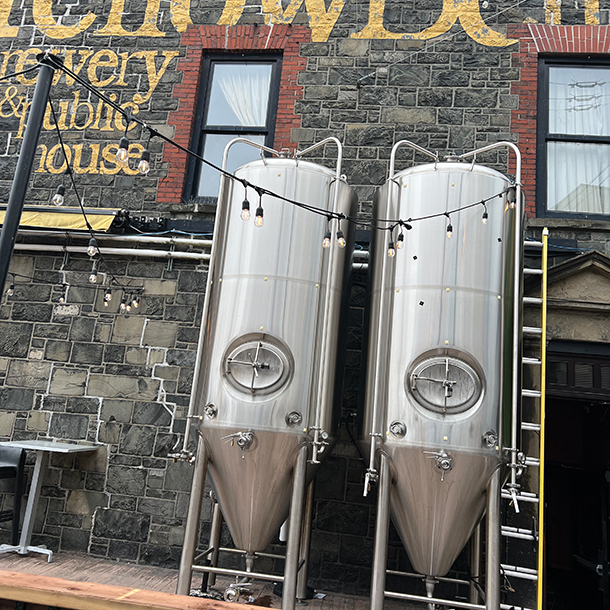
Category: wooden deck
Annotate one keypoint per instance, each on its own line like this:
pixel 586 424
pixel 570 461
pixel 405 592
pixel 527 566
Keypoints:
pixel 135 583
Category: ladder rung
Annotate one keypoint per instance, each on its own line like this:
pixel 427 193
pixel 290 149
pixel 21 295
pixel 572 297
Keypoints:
pixel 534 361
pixel 524 496
pixel 532 330
pixel 519 572
pixel 531 461
pixel 517 532
pixel 529 426
pixel 529 271
pixel 531 393
pixel 534 244
pixel 532 300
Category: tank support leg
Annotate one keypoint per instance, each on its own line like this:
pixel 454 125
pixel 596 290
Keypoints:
pixel 192 520
pixel 215 540
pixel 305 543
pixel 382 530
pixel 289 588
pixel 492 567
pixel 475 564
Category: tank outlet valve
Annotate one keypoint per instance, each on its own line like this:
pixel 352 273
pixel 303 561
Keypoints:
pixel 490 439
pixel 210 410
pixel 443 461
pixel 182 456
pixel 294 418
pixel 398 429
pixel 243 440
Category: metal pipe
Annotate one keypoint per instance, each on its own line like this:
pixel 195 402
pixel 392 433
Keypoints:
pixel 459 581
pixel 223 549
pixel 294 531
pixel 140 239
pixel 410 145
pixel 475 562
pixel 198 256
pixel 382 530
pixel 492 555
pixel 305 543
pixel 25 162
pixel 192 520
pixel 215 539
pixel 433 600
pixel 230 572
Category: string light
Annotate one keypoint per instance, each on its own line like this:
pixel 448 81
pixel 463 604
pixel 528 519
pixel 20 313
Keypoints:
pixel 128 304
pixel 400 240
pixel 123 305
pixel 449 226
pixel 123 154
pixel 136 302
pixel 245 207
pixel 93 276
pixel 485 214
pixel 258 220
pixel 92 248
pixel 11 290
pixel 326 240
pixel 341 238
pixel 511 195
pixel 58 198
pixel 391 249
pixel 144 164
pixel 107 297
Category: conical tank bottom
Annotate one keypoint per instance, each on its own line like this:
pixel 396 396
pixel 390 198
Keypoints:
pixel 254 490
pixel 435 518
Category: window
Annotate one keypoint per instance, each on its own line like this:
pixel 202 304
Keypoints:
pixel 573 139
pixel 238 98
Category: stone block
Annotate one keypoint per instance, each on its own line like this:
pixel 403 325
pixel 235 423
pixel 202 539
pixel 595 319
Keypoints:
pixel 179 357
pixel 410 116
pixel 15 339
pixel 28 374
pixel 87 353
pixel 162 556
pixel 82 405
pixel 109 432
pixel 16 399
pixel 52 331
pixel 102 333
pixel 32 312
pixel 96 461
pixel 167 372
pixel 82 329
pixel 151 414
pixel 353 48
pixel 179 476
pixel 409 75
pixel 38 421
pixel 128 330
pixel 68 425
pixel 7 421
pixel 153 506
pixel 122 386
pixel 160 334
pixel 73 539
pixel 122 549
pixel 23 266
pixel 165 288
pixel 121 525
pixel 58 350
pixel 114 353
pixel 4 362
pixel 126 480
pixel 68 382
pixel 137 440
pixel 156 356
pixel 82 502
pixel 116 410
pixel 476 98
pixel 136 355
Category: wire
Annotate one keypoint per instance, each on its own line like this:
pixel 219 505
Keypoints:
pixel 8 76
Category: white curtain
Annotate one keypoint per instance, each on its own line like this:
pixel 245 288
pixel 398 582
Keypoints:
pixel 579 173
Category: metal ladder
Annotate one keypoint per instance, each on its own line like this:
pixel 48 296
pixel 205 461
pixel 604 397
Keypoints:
pixel 532 492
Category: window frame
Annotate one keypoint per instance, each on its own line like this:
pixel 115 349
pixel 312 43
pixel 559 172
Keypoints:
pixel 543 136
pixel 200 130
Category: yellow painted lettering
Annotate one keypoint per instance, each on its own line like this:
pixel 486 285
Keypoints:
pixel 6 30
pixel 180 14
pixel 592 12
pixel 83 54
pixel 26 60
pixel 232 12
pixel 135 152
pixel 53 152
pixel 87 117
pixel 43 18
pixel 114 25
pixel 98 61
pixel 109 154
pixel 95 155
pixel 43 157
pixel 465 11
pixel 132 109
pixel 48 123
pixel 153 76
pixel 552 12
pixel 125 57
pixel 22 113
pixel 6 58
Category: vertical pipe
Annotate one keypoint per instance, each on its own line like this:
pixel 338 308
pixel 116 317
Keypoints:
pixel 475 563
pixel 192 520
pixel 25 163
pixel 215 539
pixel 382 530
pixel 492 559
pixel 305 544
pixel 289 589
pixel 545 250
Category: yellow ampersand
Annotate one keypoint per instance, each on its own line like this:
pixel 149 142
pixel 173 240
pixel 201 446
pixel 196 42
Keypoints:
pixel 13 108
pixel 465 11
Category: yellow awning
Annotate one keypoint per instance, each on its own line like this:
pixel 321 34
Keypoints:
pixel 42 217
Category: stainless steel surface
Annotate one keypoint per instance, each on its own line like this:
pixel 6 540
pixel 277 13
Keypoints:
pixel 440 353
pixel 232 572
pixel 215 531
pixel 434 600
pixel 476 549
pixel 267 357
pixel 492 554
pixel 382 530
pixel 305 543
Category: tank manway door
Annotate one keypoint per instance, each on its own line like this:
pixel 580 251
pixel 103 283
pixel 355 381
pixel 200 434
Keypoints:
pixel 528 502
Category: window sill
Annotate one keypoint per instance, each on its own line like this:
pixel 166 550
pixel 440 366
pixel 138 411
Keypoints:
pixel 568 223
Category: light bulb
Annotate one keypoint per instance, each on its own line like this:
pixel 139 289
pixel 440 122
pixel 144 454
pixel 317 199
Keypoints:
pixel 326 240
pixel 122 154
pixel 58 198
pixel 123 304
pixel 258 220
pixel 484 217
pixel 245 210
pixel 92 249
pixel 136 302
pixel 107 297
pixel 128 307
pixel 391 250
pixel 341 239
pixel 400 241
pixel 93 278
pixel 62 299
pixel 11 290
pixel 449 231
pixel 144 164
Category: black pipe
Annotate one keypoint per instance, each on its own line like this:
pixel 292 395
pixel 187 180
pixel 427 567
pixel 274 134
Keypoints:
pixel 10 226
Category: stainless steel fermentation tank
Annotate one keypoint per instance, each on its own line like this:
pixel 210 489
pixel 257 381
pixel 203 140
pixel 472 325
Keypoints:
pixel 442 379
pixel 265 388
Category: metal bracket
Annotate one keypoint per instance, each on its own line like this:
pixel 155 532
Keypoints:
pixel 243 440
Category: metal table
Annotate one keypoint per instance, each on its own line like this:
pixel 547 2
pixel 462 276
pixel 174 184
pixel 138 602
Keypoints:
pixel 42 449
